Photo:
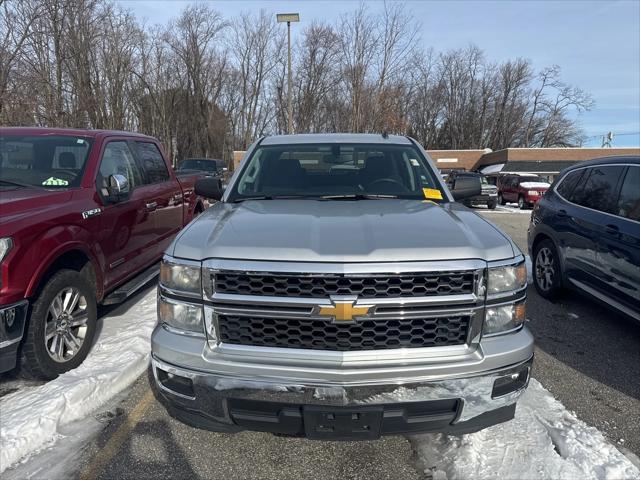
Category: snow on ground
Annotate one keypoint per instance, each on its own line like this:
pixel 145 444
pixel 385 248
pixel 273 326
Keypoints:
pixel 544 440
pixel 511 208
pixel 33 418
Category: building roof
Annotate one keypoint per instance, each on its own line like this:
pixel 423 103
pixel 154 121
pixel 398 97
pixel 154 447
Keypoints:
pixel 538 166
pixel 551 155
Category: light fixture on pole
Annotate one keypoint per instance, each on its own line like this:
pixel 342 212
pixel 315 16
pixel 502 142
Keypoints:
pixel 288 17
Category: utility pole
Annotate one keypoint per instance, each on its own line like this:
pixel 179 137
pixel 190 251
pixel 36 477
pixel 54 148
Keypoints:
pixel 607 139
pixel 288 17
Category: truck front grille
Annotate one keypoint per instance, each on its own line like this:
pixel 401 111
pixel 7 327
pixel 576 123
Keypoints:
pixel 322 286
pixel 361 335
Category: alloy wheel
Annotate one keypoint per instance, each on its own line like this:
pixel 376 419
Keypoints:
pixel 66 324
pixel 545 269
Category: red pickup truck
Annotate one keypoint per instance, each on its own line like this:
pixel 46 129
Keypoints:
pixel 85 215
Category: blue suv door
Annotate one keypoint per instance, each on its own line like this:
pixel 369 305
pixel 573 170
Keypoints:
pixel 619 245
pixel 580 223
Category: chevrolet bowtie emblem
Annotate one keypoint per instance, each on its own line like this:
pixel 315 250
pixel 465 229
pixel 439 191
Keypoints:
pixel 344 311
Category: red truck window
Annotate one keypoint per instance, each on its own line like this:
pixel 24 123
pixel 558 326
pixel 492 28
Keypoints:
pixel 118 159
pixel 152 162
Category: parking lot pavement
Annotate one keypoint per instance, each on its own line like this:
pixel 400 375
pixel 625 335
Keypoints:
pixel 586 355
pixel 144 442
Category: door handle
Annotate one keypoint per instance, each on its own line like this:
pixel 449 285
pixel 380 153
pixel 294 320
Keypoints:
pixel 611 229
pixel 562 213
pixel 151 205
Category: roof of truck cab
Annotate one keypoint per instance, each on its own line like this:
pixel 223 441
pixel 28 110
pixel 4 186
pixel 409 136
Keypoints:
pixel 79 132
pixel 305 138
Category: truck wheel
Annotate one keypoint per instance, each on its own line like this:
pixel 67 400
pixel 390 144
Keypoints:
pixel 501 200
pixel 491 205
pixel 521 203
pixel 547 276
pixel 61 326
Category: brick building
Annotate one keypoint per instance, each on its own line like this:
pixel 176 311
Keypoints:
pixel 546 162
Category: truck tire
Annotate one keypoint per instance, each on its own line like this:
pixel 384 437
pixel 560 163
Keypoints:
pixel 491 205
pixel 61 326
pixel 521 203
pixel 547 275
pixel 501 200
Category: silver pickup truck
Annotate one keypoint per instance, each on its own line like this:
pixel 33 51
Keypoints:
pixel 338 291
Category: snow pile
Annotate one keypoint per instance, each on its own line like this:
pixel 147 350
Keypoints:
pixel 534 185
pixel 30 419
pixel 544 440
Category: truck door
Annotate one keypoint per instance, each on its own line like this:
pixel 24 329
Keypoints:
pixel 165 199
pixel 124 224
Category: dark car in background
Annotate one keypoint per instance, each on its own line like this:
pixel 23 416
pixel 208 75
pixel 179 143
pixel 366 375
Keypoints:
pixel 208 166
pixel 489 195
pixel 525 189
pixel 585 234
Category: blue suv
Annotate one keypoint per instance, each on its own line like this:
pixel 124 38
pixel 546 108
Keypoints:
pixel 585 234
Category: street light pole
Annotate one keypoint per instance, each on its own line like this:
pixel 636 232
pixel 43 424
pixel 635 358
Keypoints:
pixel 289 17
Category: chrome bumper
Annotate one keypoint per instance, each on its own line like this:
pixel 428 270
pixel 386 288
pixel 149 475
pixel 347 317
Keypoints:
pixel 210 401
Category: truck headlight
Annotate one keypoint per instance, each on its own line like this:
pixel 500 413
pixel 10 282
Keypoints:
pixel 180 277
pixel 6 244
pixel 503 318
pixel 506 279
pixel 186 317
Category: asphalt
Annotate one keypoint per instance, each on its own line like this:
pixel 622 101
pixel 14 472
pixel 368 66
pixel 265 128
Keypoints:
pixel 587 356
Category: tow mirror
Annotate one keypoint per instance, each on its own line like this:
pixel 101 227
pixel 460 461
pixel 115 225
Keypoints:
pixel 465 187
pixel 209 187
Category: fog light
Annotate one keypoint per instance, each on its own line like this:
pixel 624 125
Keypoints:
pixel 510 383
pixel 176 383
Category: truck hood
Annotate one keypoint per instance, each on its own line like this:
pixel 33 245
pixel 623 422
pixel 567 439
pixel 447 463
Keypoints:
pixel 341 231
pixel 20 202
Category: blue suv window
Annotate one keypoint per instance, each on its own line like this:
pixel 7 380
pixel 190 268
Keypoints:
pixel 569 182
pixel 598 191
pixel 629 201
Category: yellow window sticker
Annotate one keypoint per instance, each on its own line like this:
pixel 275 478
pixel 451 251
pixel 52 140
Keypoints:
pixel 432 194
pixel 53 181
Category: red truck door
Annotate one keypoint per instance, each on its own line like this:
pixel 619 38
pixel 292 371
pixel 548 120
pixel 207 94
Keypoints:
pixel 164 195
pixel 126 232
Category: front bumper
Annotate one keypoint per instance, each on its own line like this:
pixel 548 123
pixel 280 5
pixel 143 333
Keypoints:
pixel 483 199
pixel 12 321
pixel 457 403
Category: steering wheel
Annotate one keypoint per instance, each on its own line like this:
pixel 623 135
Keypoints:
pixel 71 175
pixel 393 185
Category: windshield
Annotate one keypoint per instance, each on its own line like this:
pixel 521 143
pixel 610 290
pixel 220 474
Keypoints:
pixel 330 170
pixel 42 160
pixel 195 164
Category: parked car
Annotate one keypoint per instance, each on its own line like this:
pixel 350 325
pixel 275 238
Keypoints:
pixel 585 234
pixel 489 195
pixel 524 189
pixel 207 165
pixel 85 215
pixel 323 296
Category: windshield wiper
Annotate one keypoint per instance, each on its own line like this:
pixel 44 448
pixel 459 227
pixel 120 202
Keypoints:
pixel 357 196
pixel 273 197
pixel 18 184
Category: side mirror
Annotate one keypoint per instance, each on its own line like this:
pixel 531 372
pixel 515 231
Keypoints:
pixel 465 187
pixel 209 187
pixel 118 187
